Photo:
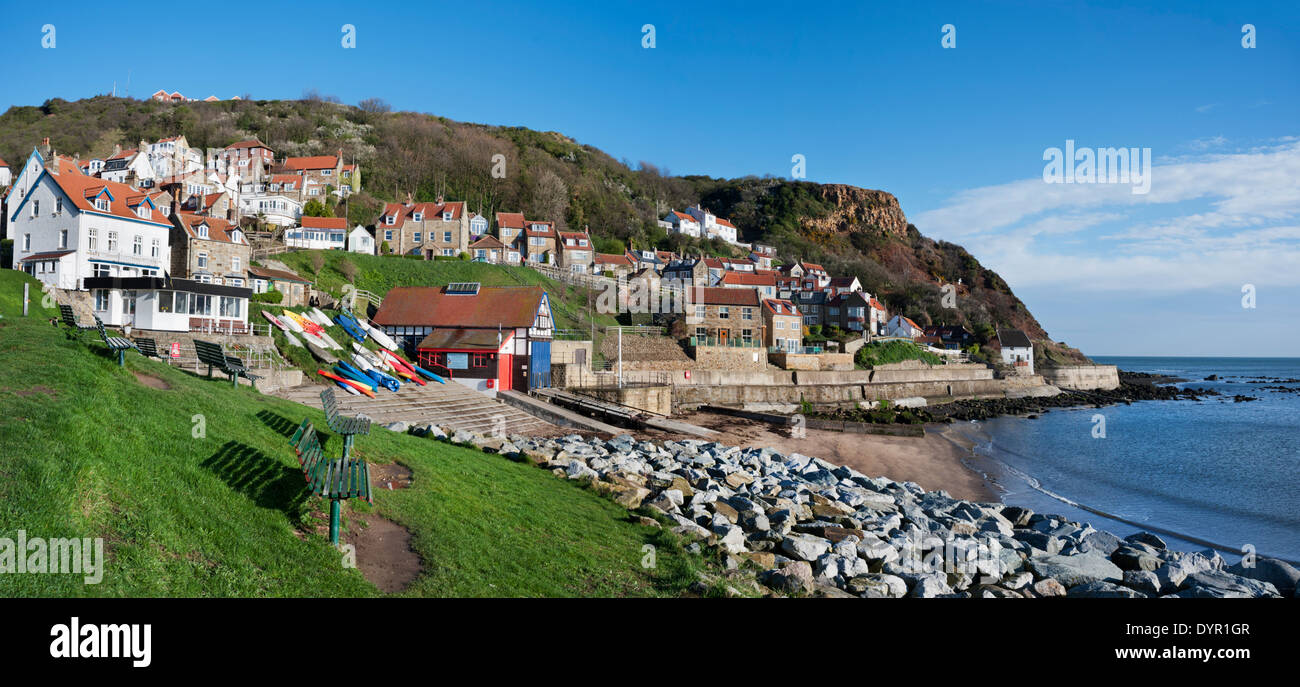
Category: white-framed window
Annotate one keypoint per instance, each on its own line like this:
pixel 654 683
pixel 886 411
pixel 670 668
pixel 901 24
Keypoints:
pixel 234 263
pixel 388 234
pixel 446 237
pixel 58 206
pixel 142 211
pixel 327 172
pixel 112 242
pixel 36 208
pixel 203 259
pixel 446 216
pixel 155 249
pixel 137 245
pixel 449 252
pixel 416 237
pixel 63 238
pixel 92 239
pixel 701 312
pixel 100 269
pixel 101 204
pixel 101 300
pixel 724 312
pixel 418 217
pixel 780 324
pixel 746 313
pixel 202 231
pixel 390 220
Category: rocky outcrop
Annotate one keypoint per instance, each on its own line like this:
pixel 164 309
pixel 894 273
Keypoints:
pixel 857 207
pixel 807 527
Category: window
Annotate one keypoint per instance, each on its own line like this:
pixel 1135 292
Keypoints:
pixel 231 307
pixel 112 242
pixel 100 269
pixel 446 216
pixel 390 219
pixel 164 301
pixel 36 208
pixel 449 252
pixel 27 242
pixel 203 260
pixel 724 312
pixel 326 172
pixel 142 211
pixel 58 206
pixel 155 249
pixel 747 313
pixel 446 237
pixel 480 360
pixel 137 246
pixel 747 334
pixel 101 300
pixel 92 239
pixel 701 332
pixel 419 217
pixel 780 324
pixel 388 235
pixel 101 204
pixel 537 240
pixel 234 263
pixel 700 312
pixel 202 231
pixel 63 238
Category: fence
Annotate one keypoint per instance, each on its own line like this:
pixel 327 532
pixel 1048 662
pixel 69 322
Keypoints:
pixel 697 341
pixel 255 357
pixel 231 328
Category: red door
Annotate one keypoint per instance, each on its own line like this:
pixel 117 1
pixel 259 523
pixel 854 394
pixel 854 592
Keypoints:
pixel 504 362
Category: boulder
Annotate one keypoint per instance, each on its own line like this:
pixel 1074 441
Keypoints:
pixel 1074 570
pixel 1282 575
pixel 730 538
pixel 793 578
pixel 1018 516
pixel 877 586
pixel 1220 584
pixel 1104 590
pixel 399 426
pixel 1174 573
pixel 1134 558
pixel 1142 580
pixel 929 586
pixel 1048 587
pixel 805 547
pixel 1148 539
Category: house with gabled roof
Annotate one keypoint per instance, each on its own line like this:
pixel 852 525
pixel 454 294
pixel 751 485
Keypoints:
pixel 249 160
pixel 903 326
pixel 488 338
pixel 783 325
pixel 112 242
pixel 614 264
pixel 682 223
pixel 724 317
pixel 1017 350
pixel 440 228
pixel 764 283
pixel 6 174
pixel 576 251
pixel 318 233
pixel 211 250
pixel 487 248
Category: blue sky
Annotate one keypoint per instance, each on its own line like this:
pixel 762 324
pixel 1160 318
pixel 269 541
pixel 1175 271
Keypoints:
pixel 863 90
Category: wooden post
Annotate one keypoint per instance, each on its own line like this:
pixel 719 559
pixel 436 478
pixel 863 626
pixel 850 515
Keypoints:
pixel 334 522
pixel 26 290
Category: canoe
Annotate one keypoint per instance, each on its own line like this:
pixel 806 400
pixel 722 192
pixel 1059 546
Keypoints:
pixel 293 340
pixel 321 318
pixel 382 339
pixel 307 324
pixel 275 321
pixel 291 322
pixel 361 388
pixel 350 375
pixel 320 353
pixel 329 340
pixel 349 325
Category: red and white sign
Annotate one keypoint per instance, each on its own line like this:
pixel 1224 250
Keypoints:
pixel 176 349
pixel 688 374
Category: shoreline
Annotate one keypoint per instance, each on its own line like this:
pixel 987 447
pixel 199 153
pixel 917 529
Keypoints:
pixel 936 462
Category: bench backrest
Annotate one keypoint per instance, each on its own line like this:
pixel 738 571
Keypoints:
pixel 147 347
pixel 65 312
pixel 99 324
pixel 210 353
pixel 340 423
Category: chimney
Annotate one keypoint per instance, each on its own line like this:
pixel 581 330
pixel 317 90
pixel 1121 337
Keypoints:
pixel 439 200
pixel 409 200
pixel 117 149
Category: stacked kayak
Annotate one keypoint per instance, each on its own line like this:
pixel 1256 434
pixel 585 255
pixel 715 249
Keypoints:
pixel 350 326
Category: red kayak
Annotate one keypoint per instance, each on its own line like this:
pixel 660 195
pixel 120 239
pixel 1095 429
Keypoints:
pixel 352 383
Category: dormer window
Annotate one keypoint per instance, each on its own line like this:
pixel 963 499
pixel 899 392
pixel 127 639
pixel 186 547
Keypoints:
pixel 446 216
pixel 202 231
pixel 101 204
pixel 419 217
pixel 236 236
pixel 390 220
pixel 142 211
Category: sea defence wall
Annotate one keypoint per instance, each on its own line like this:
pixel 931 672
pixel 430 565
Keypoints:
pixel 1084 377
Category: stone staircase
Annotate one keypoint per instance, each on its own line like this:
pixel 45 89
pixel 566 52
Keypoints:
pixel 447 405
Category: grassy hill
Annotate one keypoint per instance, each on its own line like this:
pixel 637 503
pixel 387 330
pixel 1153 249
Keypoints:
pixel 88 450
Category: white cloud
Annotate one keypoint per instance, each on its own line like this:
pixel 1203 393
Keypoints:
pixel 1209 220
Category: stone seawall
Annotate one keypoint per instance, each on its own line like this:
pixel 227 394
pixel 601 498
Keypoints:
pixel 1082 377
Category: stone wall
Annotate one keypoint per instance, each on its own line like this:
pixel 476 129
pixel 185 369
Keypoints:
pixel 730 358
pixel 1085 377
pixel 655 399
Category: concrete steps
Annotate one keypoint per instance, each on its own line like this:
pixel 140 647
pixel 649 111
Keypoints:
pixel 446 405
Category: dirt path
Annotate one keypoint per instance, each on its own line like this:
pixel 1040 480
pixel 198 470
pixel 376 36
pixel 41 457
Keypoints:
pixel 931 461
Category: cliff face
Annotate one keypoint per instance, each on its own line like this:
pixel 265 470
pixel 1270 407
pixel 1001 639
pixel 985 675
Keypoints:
pixel 858 207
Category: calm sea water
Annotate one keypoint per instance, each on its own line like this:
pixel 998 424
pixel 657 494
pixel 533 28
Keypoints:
pixel 1212 470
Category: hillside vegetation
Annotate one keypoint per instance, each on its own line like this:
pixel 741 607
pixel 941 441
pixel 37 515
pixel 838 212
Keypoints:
pixel 851 231
pixel 89 450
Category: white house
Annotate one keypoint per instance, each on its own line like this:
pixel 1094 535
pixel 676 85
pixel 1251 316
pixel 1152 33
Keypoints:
pixel 127 167
pixel 77 232
pixel 277 209
pixel 478 225
pixel 6 174
pixel 901 326
pixel 682 223
pixel 712 226
pixel 1017 350
pixel 319 233
pixel 360 240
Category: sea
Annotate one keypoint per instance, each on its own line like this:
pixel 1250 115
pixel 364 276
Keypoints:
pixel 1212 473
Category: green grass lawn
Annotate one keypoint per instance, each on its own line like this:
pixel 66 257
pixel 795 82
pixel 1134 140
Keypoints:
pixel 86 450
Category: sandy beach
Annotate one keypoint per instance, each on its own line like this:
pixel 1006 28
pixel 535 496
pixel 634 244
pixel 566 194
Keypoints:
pixel 932 461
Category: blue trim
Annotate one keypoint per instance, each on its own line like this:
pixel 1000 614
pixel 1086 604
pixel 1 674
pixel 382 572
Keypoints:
pixel 92 261
pixel 97 213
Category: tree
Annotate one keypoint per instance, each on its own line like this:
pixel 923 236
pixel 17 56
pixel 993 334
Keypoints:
pixel 375 106
pixel 315 208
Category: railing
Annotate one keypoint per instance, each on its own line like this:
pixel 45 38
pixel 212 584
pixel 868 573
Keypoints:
pixel 231 328
pixel 696 341
pixel 798 350
pixel 367 297
pixel 638 330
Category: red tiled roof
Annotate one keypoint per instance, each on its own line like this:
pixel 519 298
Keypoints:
pixel 510 220
pixel 324 222
pixel 875 305
pixel 780 306
pixel 487 242
pixel 83 190
pixel 247 144
pixel 548 229
pixel 811 267
pixel 285 179
pixel 747 279
pixel 464 339
pixel 684 216
pixel 717 295
pixel 3 163
pixel 614 259
pixel 430 306
pixel 123 154
pixel 218 229
pixel 316 162
pixel 723 222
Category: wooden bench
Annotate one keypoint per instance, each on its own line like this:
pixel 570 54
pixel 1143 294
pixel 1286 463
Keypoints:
pixel 348 427
pixel 335 479
pixel 116 344
pixel 149 349
pixel 212 355
pixel 75 328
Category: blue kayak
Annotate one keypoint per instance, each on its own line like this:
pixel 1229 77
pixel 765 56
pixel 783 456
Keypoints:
pixel 350 326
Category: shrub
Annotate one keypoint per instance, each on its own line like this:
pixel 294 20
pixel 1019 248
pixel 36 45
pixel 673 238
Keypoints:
pixel 268 297
pixel 885 352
